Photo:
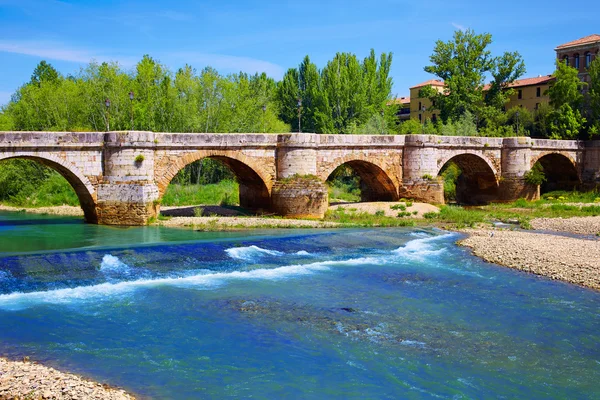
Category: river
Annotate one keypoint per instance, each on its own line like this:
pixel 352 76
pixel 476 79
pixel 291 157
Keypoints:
pixel 311 314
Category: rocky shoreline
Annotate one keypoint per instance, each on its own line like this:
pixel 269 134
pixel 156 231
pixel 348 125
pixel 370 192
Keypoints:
pixel 32 381
pixel 577 225
pixel 567 259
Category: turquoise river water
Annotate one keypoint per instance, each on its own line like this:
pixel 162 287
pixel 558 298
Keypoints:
pixel 307 314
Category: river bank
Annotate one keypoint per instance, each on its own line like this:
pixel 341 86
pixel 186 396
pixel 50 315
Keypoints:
pixel 29 380
pixel 572 260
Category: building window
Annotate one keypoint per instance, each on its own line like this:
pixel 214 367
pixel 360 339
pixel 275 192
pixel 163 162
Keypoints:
pixel 419 106
pixel 576 61
pixel 538 92
pixel 520 94
pixel 420 118
pixel 433 103
pixel 588 59
pixel 434 118
pixel 566 60
pixel 537 106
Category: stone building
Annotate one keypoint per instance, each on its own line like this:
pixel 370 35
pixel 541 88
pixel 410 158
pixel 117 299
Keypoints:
pixel 579 54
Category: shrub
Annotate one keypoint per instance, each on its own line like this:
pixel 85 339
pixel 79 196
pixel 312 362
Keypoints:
pixel 139 158
pixel 379 213
pixel 535 176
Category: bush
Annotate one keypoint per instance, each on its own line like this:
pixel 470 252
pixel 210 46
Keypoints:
pixel 139 159
pixel 535 176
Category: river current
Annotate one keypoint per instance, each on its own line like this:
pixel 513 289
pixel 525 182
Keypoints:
pixel 311 314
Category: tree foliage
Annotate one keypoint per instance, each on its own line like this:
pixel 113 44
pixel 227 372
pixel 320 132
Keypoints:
pixel 341 98
pixel 163 102
pixel 462 63
pixel 566 88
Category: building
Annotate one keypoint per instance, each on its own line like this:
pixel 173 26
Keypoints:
pixel 579 54
pixel 404 107
pixel 421 108
pixel 529 93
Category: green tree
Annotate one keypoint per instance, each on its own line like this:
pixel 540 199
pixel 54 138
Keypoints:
pixel 44 73
pixel 594 97
pixel 565 123
pixel 566 88
pixel 462 63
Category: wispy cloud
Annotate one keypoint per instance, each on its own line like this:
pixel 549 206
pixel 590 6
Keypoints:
pixel 228 63
pixel 58 51
pixel 459 26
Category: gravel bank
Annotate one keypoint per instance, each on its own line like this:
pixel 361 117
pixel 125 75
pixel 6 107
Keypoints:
pixel 572 260
pixel 579 225
pixel 216 223
pixel 386 207
pixel 56 210
pixel 27 380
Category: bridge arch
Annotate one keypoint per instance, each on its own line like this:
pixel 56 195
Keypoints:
pixel 375 183
pixel 85 191
pixel 254 182
pixel 477 182
pixel 560 170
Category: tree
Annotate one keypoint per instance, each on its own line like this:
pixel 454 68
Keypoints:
pixel 44 72
pixel 566 88
pixel 462 64
pixel 594 97
pixel 341 97
pixel 506 69
pixel 565 123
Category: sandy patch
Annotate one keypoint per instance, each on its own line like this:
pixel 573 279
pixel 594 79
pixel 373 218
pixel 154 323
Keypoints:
pixel 56 210
pixel 216 223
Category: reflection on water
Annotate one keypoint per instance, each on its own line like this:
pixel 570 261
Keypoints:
pixel 377 313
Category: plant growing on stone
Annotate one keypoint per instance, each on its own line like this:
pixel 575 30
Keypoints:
pixel 139 159
pixel 536 175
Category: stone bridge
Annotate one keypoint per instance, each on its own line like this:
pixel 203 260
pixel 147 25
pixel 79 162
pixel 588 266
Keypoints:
pixel 120 177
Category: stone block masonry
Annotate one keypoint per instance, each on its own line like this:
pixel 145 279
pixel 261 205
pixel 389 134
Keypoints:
pixel 120 177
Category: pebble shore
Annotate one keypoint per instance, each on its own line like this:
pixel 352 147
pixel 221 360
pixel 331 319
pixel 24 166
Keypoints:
pixel 568 259
pixel 28 380
pixel 578 225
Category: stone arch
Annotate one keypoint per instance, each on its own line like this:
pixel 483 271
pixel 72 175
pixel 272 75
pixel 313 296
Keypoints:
pixel 85 191
pixel 254 183
pixel 376 184
pixel 477 183
pixel 560 170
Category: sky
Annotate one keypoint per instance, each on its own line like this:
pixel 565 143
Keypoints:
pixel 272 36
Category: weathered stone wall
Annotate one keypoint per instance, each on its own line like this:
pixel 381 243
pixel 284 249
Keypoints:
pixel 114 188
pixel 300 197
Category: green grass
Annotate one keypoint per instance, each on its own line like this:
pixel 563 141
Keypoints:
pixel 345 192
pixel 222 193
pixel 351 217
pixel 521 211
pixel 571 197
pixel 54 191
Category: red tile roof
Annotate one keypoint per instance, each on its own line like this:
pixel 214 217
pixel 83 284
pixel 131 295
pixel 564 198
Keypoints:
pixel 399 100
pixel 584 40
pixel 538 80
pixel 431 82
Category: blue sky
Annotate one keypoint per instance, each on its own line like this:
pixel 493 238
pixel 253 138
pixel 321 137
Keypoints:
pixel 272 36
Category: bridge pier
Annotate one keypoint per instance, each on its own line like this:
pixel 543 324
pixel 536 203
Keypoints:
pixel 128 194
pixel 420 181
pixel 516 162
pixel 298 192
